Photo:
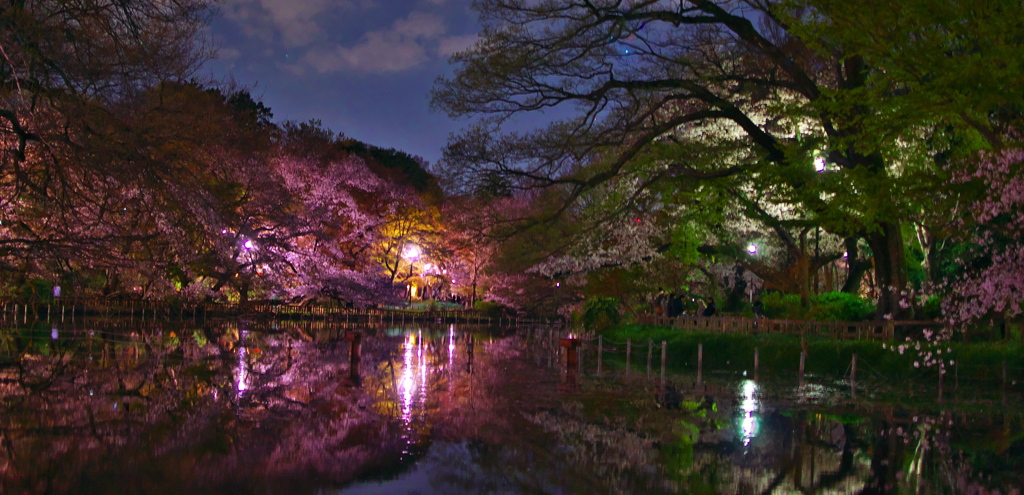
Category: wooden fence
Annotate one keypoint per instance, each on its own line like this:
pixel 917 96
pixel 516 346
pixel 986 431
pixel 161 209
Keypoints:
pixel 64 309
pixel 877 330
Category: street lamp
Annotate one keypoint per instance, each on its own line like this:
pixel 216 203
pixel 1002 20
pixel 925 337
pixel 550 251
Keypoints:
pixel 752 248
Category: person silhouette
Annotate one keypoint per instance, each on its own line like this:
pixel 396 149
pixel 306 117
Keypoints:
pixel 710 310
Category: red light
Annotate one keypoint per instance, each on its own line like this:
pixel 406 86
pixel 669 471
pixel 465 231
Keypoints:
pixel 637 220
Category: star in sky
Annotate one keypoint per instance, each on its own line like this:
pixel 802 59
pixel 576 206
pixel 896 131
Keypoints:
pixel 363 67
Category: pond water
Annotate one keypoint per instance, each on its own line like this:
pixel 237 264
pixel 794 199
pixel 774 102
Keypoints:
pixel 278 408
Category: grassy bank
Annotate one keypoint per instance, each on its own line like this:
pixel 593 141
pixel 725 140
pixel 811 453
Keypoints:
pixel 981 362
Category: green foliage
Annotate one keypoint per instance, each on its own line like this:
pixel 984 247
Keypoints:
pixel 489 308
pixel 599 313
pixel 36 289
pixel 839 306
pixel 831 306
pixel 782 306
pixel 932 309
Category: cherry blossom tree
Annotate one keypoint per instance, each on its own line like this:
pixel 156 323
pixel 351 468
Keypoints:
pixel 993 286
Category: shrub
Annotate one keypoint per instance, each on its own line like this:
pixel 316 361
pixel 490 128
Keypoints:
pixel 839 306
pixel 489 308
pixel 932 308
pixel 599 313
pixel 784 306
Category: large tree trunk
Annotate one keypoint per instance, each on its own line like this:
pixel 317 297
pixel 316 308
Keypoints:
pixel 856 267
pixel 243 293
pixel 890 269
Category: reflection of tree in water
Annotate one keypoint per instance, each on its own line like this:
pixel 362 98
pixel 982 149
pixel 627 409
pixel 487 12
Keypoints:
pixel 219 407
pixel 226 409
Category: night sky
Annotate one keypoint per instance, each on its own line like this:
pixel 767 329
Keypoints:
pixel 363 67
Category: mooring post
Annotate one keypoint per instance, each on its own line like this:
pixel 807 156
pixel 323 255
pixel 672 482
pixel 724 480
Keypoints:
pixel 853 377
pixel 600 353
pixel 629 349
pixel 571 344
pixel 582 353
pixel 664 354
pixel 650 355
pixel 700 363
pixel 355 340
pixel 803 358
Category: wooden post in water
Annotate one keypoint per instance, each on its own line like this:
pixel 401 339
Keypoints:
pixel 755 363
pixel 664 354
pixel 629 349
pixel 650 354
pixel 803 358
pixel 583 347
pixel 354 354
pixel 571 358
pixel 700 363
pixel 600 353
pixel 853 377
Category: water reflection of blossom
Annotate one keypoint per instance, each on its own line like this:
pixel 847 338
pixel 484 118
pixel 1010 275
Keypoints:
pixel 750 422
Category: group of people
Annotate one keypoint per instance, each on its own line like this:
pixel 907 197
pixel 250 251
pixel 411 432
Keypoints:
pixel 673 305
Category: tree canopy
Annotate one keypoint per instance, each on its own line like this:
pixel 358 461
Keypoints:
pixel 808 115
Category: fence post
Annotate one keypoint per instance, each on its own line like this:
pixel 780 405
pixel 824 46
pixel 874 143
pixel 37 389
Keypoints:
pixel 629 349
pixel 600 353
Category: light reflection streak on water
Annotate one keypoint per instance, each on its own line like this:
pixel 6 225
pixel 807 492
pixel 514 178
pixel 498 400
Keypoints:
pixel 423 372
pixel 451 346
pixel 407 382
pixel 242 377
pixel 750 423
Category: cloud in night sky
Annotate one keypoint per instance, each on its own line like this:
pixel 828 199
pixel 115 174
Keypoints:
pixel 320 32
pixel 402 46
pixel 362 67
